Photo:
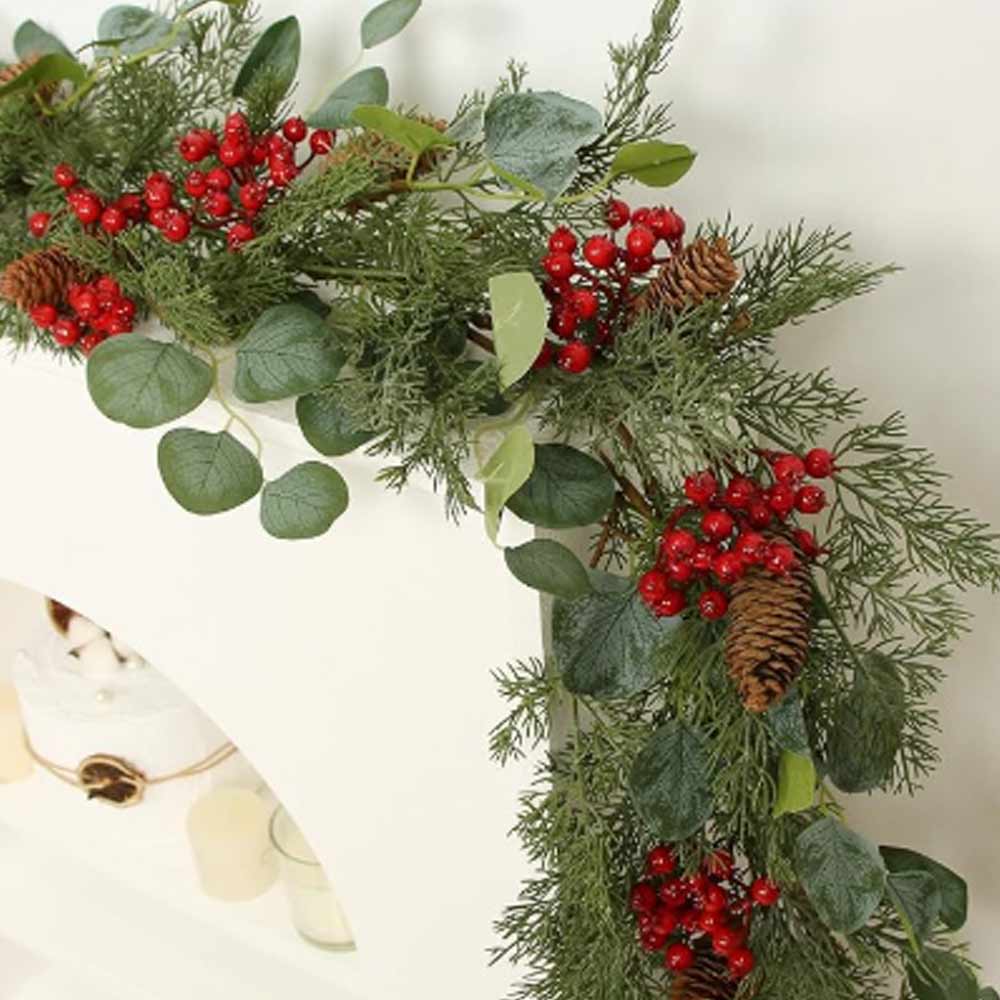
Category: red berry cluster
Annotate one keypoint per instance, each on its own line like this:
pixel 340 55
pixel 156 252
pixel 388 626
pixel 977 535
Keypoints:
pixel 249 171
pixel 736 525
pixel 98 311
pixel 589 287
pixel 677 915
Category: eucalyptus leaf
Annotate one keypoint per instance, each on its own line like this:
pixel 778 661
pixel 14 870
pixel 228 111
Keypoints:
pixel 534 137
pixel 130 29
pixel 788 725
pixel 550 567
pixel 368 86
pixel 208 473
pixel 940 975
pixel 796 784
pixel 669 782
pixel 988 993
pixel 277 53
pixel 504 473
pixel 917 900
pixel 327 426
pixel 411 134
pixel 386 21
pixel 953 888
pixel 841 872
pixel 867 727
pixel 567 489
pixel 289 351
pixel 304 502
pixel 144 383
pixel 606 644
pixel 519 316
pixel 654 163
pixel 31 39
pixel 49 69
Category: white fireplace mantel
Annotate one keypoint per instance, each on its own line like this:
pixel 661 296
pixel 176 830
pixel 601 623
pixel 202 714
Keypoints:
pixel 353 671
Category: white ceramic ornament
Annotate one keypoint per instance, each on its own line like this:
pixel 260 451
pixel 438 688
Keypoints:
pixel 81 631
pixel 97 658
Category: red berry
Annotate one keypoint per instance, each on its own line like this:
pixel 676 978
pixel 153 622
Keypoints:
pixel 113 220
pixel 321 141
pixel 810 500
pixel 44 315
pixel 38 223
pixel 282 173
pixel 295 129
pixel 690 919
pixel 680 572
pixel 239 234
pixel 781 499
pixel 178 227
pixel 64 175
pixel 700 487
pixel 711 920
pixel 765 892
pixel 740 493
pixel 90 340
pixel 125 309
pixel 233 152
pixel 66 332
pixel 562 240
pixel 807 543
pixel 159 191
pixel 219 179
pixel 751 546
pixel 780 558
pixel 674 893
pixel 642 899
pixel 87 207
pixel 672 603
pixel 563 322
pixel 728 567
pixel 661 860
pixel 713 604
pixel 819 463
pixel 641 265
pixel 279 148
pixel 600 252
pixel 788 469
pixel 703 557
pixel 715 899
pixel 717 525
pixel 559 265
pixel 584 303
pixel 132 205
pixel 617 213
pixel 665 921
pixel 85 303
pixel 116 326
pixel 253 195
pixel 679 957
pixel 545 357
pixel 667 224
pixel 741 962
pixel 640 217
pixel 653 587
pixel 640 241
pixel 219 204
pixel 196 184
pixel 727 939
pixel 159 217
pixel 196 145
pixel 575 357
pixel 759 514
pixel 652 940
pixel 237 125
pixel 679 544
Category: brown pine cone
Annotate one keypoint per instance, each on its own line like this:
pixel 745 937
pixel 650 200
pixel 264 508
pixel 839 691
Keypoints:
pixel 39 277
pixel 703 270
pixel 768 635
pixel 707 979
pixel 389 157
pixel 14 70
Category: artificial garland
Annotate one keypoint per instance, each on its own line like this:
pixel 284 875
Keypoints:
pixel 772 583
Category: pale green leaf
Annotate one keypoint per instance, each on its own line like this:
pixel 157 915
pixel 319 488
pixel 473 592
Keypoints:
pixel 386 21
pixel 657 164
pixel 519 315
pixel 412 135
pixel 504 473
pixel 49 69
pixel 796 784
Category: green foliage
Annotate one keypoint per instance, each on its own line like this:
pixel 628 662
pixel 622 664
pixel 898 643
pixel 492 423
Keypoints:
pixel 657 164
pixel 519 314
pixel 386 21
pixel 796 784
pixel 304 502
pixel 368 86
pixel 550 567
pixel 31 39
pixel 276 53
pixel 952 888
pixel 208 473
pixel 412 135
pixel 327 426
pixel 504 472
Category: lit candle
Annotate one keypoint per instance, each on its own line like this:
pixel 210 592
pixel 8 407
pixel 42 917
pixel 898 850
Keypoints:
pixel 316 914
pixel 15 761
pixel 228 830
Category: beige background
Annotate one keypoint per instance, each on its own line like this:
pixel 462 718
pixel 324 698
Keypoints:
pixel 874 115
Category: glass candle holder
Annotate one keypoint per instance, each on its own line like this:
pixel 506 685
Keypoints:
pixel 316 914
pixel 228 830
pixel 15 761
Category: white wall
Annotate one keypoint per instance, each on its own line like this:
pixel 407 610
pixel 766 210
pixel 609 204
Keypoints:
pixel 875 115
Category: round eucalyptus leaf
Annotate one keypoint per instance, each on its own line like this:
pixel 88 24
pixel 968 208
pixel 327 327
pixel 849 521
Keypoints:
pixel 548 566
pixel 208 473
pixel 131 29
pixel 304 502
pixel 367 86
pixel 31 39
pixel 327 426
pixel 144 383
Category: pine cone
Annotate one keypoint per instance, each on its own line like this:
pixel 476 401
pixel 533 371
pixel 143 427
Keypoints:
pixel 14 70
pixel 388 156
pixel 42 276
pixel 703 270
pixel 707 979
pixel 768 635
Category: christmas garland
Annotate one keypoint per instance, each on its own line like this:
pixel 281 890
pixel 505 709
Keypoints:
pixel 772 585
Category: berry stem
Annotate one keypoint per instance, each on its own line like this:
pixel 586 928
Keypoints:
pixel 480 340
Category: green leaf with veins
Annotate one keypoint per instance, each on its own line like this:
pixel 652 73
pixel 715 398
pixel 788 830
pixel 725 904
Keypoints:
pixel 952 887
pixel 504 472
pixel 327 426
pixel 917 900
pixel 368 86
pixel 304 502
pixel 550 567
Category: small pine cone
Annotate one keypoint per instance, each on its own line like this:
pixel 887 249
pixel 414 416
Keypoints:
pixel 42 276
pixel 14 70
pixel 703 270
pixel 707 979
pixel 768 635
pixel 388 156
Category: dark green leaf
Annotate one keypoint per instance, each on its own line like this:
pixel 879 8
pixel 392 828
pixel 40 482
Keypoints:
pixel 917 900
pixel 304 502
pixel 788 726
pixel 567 489
pixel 49 69
pixel 504 473
pixel 940 975
pixel 131 29
pixel 606 643
pixel 841 872
pixel 412 135
pixel 534 137
pixel 144 383
pixel 387 20
pixel 31 39
pixel 796 784
pixel 276 53
pixel 327 426
pixel 989 994
pixel 368 86
pixel 520 314
pixel 953 888
pixel 208 473
pixel 867 727
pixel 658 164
pixel 289 352
pixel 670 782
pixel 548 566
